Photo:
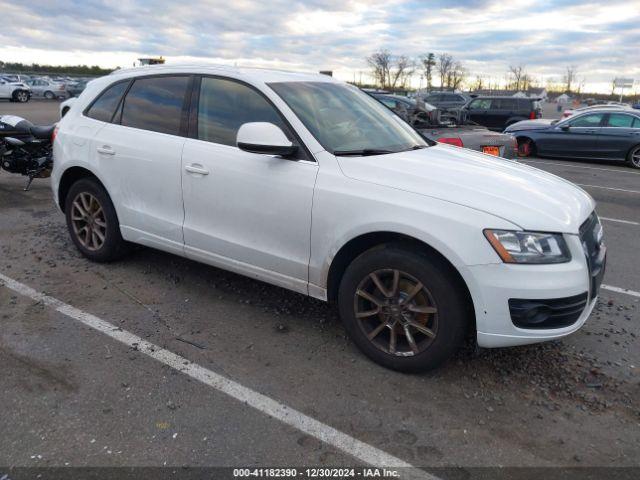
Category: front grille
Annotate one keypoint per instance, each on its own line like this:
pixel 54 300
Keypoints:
pixel 547 313
pixel 595 251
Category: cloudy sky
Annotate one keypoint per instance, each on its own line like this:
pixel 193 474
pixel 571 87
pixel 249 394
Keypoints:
pixel 602 38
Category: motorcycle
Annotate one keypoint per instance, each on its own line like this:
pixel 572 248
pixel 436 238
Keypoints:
pixel 26 149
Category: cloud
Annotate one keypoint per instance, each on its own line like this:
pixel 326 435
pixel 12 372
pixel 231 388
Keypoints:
pixel 486 35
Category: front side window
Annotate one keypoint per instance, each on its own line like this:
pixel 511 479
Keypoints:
pixel 225 105
pixel 155 104
pixel 345 120
pixel 620 120
pixel 105 106
pixel 480 104
pixel 592 120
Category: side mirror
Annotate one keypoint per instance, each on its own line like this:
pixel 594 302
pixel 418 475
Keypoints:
pixel 565 128
pixel 265 138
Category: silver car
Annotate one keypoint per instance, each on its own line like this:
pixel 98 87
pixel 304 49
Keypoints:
pixel 49 89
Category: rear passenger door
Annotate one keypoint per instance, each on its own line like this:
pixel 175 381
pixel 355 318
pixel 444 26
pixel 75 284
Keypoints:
pixel 139 157
pixel 619 133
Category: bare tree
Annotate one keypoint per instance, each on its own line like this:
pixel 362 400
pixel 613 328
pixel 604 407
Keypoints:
pixel 444 64
pixel 458 74
pixel 517 73
pixel 428 64
pixel 570 77
pixel 400 71
pixel 380 63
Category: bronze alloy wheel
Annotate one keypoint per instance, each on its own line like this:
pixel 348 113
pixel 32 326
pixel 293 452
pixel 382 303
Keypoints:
pixel 396 312
pixel 88 220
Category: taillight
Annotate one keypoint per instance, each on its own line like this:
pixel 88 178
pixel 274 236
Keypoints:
pixel 54 134
pixel 451 141
pixel 532 115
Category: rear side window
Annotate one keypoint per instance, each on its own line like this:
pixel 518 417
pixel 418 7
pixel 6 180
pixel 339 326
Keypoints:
pixel 620 120
pixel 636 123
pixel 105 106
pixel 506 104
pixel 155 104
pixel 224 106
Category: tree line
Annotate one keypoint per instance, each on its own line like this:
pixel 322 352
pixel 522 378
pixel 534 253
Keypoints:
pixel 93 70
pixel 394 72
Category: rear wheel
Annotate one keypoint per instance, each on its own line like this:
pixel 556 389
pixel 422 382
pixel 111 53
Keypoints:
pixel 633 159
pixel 526 147
pixel 49 95
pixel 403 309
pixel 92 221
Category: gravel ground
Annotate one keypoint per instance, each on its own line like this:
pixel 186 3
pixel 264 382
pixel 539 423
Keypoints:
pixel 76 398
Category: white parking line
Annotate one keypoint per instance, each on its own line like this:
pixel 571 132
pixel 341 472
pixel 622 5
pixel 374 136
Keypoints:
pixel 626 291
pixel 620 170
pixel 608 188
pixel 628 222
pixel 346 443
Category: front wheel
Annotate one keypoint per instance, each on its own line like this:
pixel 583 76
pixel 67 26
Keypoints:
pixel 92 221
pixel 404 309
pixel 21 96
pixel 49 95
pixel 633 159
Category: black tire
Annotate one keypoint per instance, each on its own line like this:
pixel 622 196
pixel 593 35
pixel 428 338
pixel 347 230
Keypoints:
pixel 113 246
pixel 442 288
pixel 49 95
pixel 526 147
pixel 20 96
pixel 633 158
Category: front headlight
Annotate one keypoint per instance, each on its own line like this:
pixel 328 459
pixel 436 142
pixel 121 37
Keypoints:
pixel 528 247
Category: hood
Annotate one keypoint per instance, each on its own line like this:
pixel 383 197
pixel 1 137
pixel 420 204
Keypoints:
pixel 538 124
pixel 528 197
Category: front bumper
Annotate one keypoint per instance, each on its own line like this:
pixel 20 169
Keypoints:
pixel 496 284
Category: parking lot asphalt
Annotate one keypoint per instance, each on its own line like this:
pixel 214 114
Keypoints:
pixel 75 396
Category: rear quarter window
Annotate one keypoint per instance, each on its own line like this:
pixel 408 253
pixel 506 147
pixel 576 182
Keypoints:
pixel 105 105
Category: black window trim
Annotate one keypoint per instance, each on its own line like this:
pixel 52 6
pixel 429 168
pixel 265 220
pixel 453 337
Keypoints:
pixel 192 114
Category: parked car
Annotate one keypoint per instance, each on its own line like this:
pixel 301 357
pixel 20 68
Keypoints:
pixel 14 91
pixel 602 134
pixel 447 100
pixel 573 111
pixel 416 112
pixel 497 113
pixel 47 88
pixel 475 138
pixel 417 242
pixel 76 87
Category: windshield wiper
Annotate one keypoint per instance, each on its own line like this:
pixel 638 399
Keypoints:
pixel 363 152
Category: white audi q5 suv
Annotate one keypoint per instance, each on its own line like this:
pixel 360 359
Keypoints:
pixel 305 182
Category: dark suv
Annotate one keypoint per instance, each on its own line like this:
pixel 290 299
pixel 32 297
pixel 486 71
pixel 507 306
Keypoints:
pixel 497 113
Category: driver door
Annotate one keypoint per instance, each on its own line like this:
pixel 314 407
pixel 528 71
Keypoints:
pixel 246 212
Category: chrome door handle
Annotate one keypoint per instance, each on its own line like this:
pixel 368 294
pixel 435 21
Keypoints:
pixel 106 150
pixel 199 169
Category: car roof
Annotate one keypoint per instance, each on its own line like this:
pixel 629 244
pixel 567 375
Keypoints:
pixel 250 74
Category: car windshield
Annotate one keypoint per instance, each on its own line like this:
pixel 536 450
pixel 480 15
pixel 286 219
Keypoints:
pixel 347 121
